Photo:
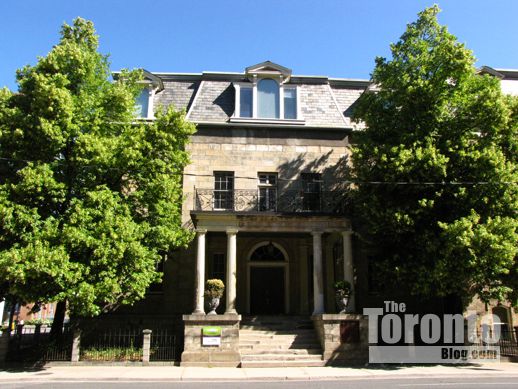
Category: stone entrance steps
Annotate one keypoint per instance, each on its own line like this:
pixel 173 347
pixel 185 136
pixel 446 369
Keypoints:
pixel 279 341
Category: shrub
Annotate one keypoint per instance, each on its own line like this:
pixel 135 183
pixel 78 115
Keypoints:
pixel 214 288
pixel 35 322
pixel 343 288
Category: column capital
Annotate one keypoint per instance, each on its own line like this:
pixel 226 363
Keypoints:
pixel 347 232
pixel 232 231
pixel 316 233
pixel 201 231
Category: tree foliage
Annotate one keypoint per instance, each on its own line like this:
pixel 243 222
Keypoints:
pixel 442 140
pixel 90 198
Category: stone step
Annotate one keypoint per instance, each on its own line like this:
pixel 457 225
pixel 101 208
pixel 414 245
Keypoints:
pixel 277 322
pixel 276 318
pixel 281 337
pixel 278 344
pixel 250 349
pixel 286 351
pixel 288 324
pixel 269 364
pixel 280 357
pixel 273 331
pixel 276 341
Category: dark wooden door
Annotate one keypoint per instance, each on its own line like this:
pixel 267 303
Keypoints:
pixel 266 290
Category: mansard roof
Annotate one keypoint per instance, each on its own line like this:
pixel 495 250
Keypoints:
pixel 209 97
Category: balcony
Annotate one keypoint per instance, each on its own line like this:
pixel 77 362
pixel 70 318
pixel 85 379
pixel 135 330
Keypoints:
pixel 269 200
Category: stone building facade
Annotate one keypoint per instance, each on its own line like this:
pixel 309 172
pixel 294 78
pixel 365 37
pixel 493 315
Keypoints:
pixel 262 193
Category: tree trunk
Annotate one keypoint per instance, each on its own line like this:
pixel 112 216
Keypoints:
pixel 11 316
pixel 59 318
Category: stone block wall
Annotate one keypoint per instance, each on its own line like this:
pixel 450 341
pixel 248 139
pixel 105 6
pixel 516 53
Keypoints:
pixel 196 354
pixel 248 152
pixel 336 352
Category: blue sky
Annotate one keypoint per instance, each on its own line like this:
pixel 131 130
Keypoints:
pixel 337 38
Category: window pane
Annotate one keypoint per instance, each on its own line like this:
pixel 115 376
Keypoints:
pixel 223 190
pixel 245 102
pixel 268 99
pixel 290 103
pixel 311 185
pixel 142 104
pixel 268 192
pixel 218 266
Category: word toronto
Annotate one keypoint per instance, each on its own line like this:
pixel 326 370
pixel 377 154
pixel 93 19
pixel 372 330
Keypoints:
pixel 399 337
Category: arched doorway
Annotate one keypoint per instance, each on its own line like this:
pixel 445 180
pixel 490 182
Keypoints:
pixel 267 279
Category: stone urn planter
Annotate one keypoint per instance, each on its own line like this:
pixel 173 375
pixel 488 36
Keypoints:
pixel 213 305
pixel 213 293
pixel 343 291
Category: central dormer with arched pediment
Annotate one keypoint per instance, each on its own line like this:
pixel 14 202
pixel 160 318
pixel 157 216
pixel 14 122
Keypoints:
pixel 266 95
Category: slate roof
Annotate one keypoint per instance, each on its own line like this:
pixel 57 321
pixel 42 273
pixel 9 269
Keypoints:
pixel 179 93
pixel 209 97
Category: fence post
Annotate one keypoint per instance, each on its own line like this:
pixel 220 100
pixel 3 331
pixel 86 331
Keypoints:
pixel 4 346
pixel 76 345
pixel 146 345
pixel 37 333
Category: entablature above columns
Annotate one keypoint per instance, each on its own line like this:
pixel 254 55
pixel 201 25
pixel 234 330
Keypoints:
pixel 213 221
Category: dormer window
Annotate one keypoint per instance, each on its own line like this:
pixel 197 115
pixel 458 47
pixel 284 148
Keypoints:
pixel 267 96
pixel 290 103
pixel 142 106
pixel 245 102
pixel 151 85
pixel 268 99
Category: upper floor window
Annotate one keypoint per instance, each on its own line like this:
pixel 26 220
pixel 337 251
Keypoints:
pixel 142 104
pixel 290 103
pixel 267 191
pixel 266 99
pixel 224 190
pixel 311 191
pixel 245 99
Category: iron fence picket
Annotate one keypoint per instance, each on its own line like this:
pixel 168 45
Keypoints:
pixel 113 345
pixel 163 345
pixel 508 342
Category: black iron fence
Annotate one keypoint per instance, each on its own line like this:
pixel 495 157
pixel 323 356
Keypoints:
pixel 163 346
pixel 33 344
pixel 259 200
pixel 111 346
pixel 507 341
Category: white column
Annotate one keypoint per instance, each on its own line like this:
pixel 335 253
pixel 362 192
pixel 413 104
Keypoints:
pixel 231 271
pixel 200 273
pixel 348 265
pixel 318 278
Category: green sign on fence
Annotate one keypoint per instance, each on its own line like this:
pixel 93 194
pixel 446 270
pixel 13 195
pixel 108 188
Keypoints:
pixel 211 331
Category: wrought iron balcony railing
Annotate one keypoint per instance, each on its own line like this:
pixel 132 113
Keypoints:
pixel 270 200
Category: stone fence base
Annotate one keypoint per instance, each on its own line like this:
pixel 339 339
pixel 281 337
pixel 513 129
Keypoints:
pixel 343 337
pixel 222 352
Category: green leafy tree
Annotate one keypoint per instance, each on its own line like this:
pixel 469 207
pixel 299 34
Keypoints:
pixel 90 198
pixel 441 141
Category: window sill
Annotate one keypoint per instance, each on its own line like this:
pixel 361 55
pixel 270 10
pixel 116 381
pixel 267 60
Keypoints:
pixel 267 121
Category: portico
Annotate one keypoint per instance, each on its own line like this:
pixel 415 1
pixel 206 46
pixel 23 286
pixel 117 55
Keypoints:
pixel 279 230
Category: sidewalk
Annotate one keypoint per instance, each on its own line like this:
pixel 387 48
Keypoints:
pixel 172 373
